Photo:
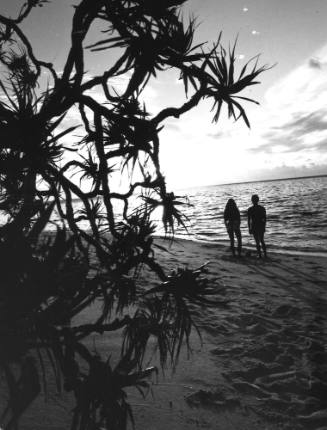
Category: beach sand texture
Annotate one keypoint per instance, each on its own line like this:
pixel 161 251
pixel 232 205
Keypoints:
pixel 263 360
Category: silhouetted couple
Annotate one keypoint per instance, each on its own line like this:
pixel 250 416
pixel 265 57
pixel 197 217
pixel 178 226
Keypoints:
pixel 256 223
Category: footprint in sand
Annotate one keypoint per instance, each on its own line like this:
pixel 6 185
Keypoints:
pixel 235 350
pixel 317 418
pixel 212 400
pixel 286 311
pixel 256 329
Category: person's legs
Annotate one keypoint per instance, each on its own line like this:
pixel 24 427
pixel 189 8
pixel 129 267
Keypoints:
pixel 256 236
pixel 231 238
pixel 263 245
pixel 239 240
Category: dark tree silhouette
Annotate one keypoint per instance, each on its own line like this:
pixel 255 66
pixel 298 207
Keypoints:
pixel 48 279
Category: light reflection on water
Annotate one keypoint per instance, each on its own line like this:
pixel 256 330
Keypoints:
pixel 296 212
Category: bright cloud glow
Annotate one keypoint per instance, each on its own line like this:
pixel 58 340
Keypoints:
pixel 288 135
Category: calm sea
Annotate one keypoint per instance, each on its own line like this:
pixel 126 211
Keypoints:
pixel 296 212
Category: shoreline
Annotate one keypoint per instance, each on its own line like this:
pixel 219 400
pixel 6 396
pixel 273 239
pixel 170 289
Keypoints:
pixel 255 181
pixel 270 248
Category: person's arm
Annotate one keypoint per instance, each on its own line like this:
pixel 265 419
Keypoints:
pixel 238 218
pixel 264 216
pixel 249 221
pixel 226 219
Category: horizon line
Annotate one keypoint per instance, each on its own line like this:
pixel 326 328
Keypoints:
pixel 255 181
pixel 272 180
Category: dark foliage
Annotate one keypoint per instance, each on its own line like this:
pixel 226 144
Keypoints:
pixel 48 247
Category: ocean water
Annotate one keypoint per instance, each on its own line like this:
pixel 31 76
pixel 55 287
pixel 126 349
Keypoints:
pixel 296 212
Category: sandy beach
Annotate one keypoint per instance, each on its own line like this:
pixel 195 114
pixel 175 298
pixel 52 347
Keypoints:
pixel 262 363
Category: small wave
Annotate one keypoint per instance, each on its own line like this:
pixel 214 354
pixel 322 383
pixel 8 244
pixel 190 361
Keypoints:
pixel 206 233
pixel 273 217
pixel 272 248
pixel 295 211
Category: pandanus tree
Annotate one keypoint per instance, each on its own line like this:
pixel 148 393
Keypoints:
pixel 48 279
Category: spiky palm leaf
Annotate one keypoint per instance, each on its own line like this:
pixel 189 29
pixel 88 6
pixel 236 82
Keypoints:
pixel 171 215
pixel 223 85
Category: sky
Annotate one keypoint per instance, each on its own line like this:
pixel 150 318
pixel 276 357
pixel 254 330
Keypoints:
pixel 288 135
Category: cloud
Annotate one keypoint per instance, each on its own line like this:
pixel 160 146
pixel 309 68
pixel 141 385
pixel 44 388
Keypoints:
pixel 172 126
pixel 322 147
pixel 289 171
pixel 305 122
pixel 288 135
pixel 303 131
pixel 315 63
pixel 219 134
pixel 293 118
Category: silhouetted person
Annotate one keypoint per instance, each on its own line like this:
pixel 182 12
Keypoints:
pixel 232 220
pixel 257 224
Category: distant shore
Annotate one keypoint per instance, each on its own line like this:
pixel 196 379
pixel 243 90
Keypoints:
pixel 259 180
